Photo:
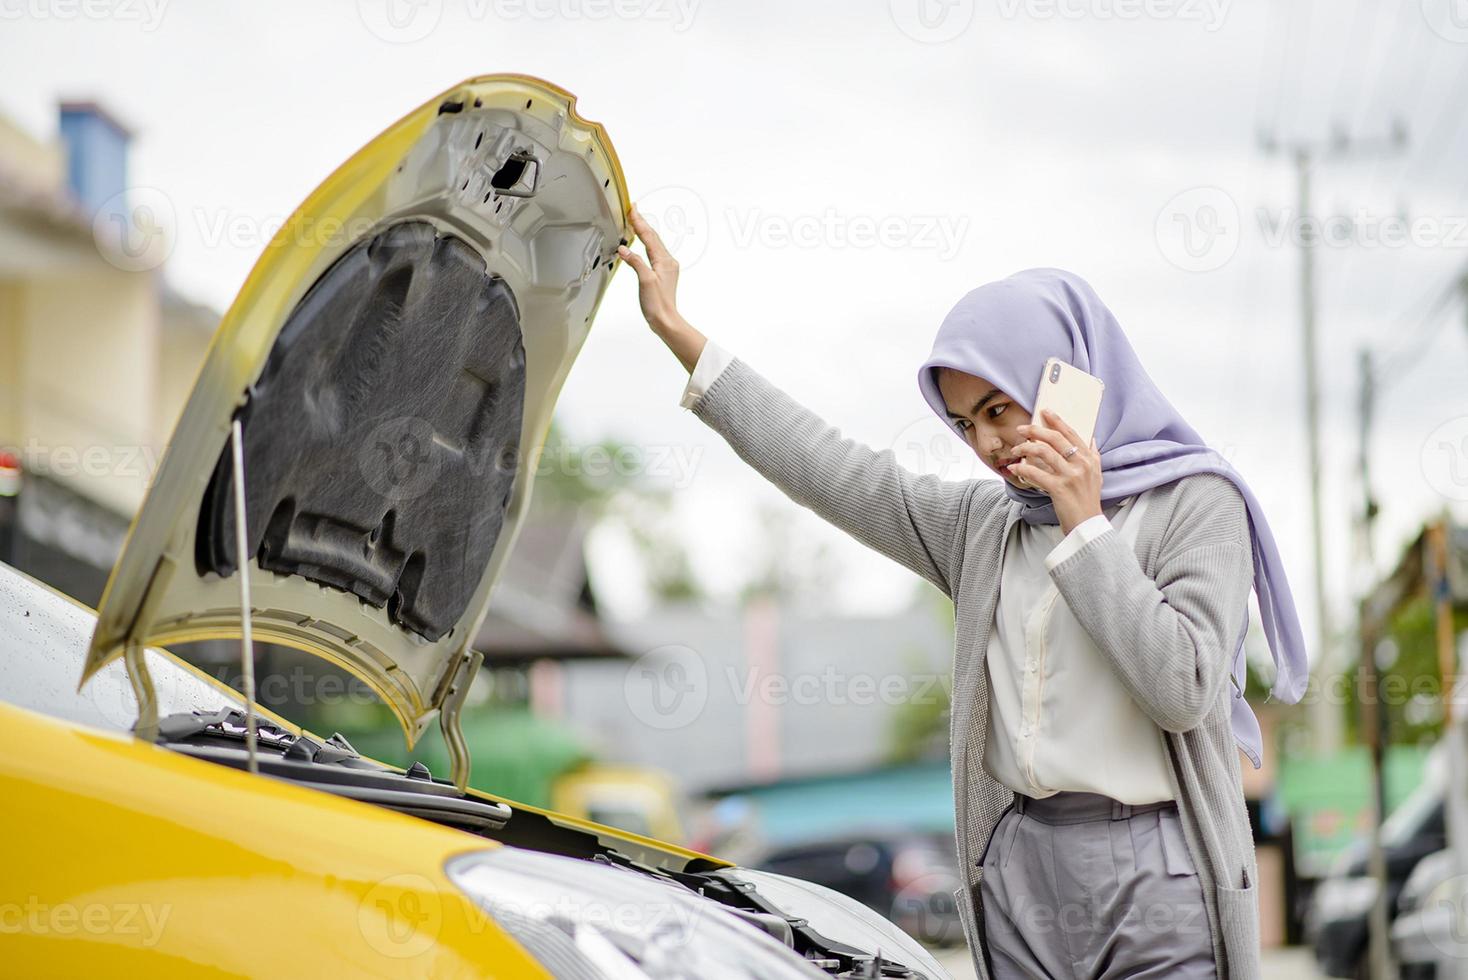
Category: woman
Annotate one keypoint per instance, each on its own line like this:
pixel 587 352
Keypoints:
pixel 1100 819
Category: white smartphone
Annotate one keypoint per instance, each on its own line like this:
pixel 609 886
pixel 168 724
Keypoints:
pixel 1072 394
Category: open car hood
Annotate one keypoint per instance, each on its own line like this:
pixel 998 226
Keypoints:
pixel 393 360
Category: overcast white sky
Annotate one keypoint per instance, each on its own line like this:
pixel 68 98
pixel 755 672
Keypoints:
pixel 1115 138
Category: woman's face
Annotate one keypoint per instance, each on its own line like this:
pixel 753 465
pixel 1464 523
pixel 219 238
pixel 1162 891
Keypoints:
pixel 988 419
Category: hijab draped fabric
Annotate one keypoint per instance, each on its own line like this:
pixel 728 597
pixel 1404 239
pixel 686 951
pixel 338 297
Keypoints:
pixel 1004 332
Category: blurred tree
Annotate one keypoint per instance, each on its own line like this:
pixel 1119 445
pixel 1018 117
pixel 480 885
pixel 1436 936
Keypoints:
pixel 1409 684
pixel 606 479
pixel 919 727
pixel 787 564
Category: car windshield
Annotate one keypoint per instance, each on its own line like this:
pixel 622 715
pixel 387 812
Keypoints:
pixel 43 643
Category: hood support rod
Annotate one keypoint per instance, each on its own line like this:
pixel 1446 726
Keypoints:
pixel 242 569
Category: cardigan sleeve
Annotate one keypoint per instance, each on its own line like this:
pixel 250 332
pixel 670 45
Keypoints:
pixel 1170 638
pixel 917 520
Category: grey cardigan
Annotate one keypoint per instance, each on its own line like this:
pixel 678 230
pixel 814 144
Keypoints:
pixel 1167 616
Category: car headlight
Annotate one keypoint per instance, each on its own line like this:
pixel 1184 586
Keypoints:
pixel 586 921
pixel 840 917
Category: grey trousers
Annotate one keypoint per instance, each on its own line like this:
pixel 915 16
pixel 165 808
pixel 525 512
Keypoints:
pixel 1078 885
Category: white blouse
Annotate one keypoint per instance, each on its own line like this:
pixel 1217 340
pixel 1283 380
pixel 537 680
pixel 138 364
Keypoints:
pixel 1059 717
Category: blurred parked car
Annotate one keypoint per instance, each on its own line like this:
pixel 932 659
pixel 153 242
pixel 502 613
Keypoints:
pixel 1428 941
pixel 347 479
pixel 908 877
pixel 644 801
pixel 1337 923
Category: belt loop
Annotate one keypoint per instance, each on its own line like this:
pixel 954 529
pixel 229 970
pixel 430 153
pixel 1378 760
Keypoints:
pixel 1120 810
pixel 1019 802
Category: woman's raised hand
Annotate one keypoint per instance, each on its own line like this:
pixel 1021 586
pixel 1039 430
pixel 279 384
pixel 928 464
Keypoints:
pixel 657 288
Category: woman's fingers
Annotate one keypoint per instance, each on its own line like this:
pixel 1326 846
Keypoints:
pixel 1042 451
pixel 1054 431
pixel 657 252
pixel 638 263
pixel 1034 475
pixel 1062 427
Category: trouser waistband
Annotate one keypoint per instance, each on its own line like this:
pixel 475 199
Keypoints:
pixel 1077 807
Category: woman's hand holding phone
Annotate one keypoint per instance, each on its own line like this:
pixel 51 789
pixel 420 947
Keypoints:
pixel 1074 484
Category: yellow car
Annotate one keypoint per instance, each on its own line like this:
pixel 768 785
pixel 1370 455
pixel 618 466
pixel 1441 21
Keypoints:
pixel 347 478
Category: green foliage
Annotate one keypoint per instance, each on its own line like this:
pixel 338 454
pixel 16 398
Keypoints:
pixel 1410 685
pixel 592 480
pixel 919 728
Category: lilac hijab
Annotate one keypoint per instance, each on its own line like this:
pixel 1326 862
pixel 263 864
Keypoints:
pixel 1004 332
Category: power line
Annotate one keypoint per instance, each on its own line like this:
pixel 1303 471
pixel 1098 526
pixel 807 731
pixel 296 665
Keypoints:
pixel 1396 363
pixel 1305 6
pixel 1376 98
pixel 1359 23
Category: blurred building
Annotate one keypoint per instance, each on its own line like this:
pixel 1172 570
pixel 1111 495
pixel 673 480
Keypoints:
pixel 724 697
pixel 97 354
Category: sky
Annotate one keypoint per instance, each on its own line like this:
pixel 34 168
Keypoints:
pixel 834 176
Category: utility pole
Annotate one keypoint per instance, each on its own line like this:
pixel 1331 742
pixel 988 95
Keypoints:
pixel 1373 715
pixel 1326 722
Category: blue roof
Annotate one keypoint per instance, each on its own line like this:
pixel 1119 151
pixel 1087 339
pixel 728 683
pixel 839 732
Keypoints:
pixel 916 798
